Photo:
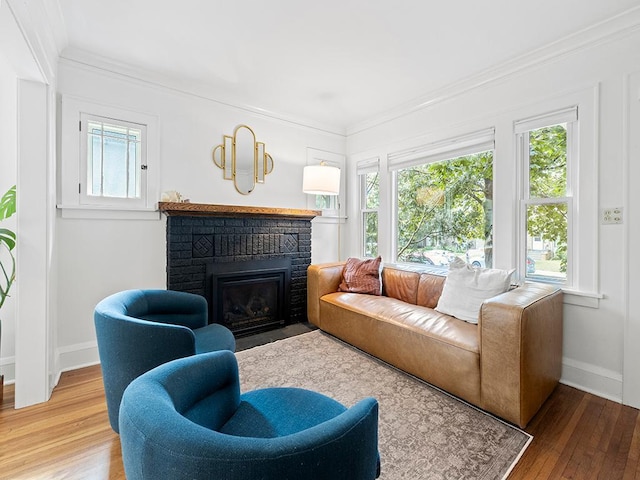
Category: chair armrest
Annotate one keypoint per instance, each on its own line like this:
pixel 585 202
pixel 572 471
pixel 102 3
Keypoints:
pixel 322 279
pixel 520 350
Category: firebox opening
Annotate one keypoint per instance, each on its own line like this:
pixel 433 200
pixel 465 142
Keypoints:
pixel 249 296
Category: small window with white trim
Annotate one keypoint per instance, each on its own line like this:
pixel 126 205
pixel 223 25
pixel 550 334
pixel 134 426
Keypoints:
pixel 113 161
pixel 109 163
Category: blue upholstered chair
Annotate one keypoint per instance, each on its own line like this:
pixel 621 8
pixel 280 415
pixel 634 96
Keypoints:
pixel 138 330
pixel 186 419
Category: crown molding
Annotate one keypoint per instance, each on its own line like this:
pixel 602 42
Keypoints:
pixel 79 58
pixel 42 27
pixel 619 26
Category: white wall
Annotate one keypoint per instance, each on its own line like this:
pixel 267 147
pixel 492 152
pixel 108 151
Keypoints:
pixel 594 335
pixel 29 49
pixel 8 177
pixel 99 257
pixel 34 381
pixel 631 150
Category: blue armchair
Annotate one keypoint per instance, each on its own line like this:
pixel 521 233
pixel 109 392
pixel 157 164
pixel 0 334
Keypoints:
pixel 187 420
pixel 138 330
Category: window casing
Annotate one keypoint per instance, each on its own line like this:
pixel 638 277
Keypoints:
pixel 443 201
pixel 109 165
pixel 547 151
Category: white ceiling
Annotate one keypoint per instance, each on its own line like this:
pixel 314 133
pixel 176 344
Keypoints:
pixel 335 62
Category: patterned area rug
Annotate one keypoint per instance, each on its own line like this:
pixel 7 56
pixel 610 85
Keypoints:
pixel 423 432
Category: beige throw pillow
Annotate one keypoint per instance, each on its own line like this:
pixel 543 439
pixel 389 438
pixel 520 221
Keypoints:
pixel 467 287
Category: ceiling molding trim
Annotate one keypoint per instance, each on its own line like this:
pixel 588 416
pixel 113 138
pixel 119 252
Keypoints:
pixel 42 27
pixel 614 28
pixel 78 58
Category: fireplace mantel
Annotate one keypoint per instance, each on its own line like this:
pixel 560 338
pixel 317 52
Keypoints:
pixel 213 210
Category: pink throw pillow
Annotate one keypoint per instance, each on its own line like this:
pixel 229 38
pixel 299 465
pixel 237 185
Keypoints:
pixel 361 276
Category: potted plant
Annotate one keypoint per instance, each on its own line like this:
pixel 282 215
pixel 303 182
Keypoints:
pixel 7 259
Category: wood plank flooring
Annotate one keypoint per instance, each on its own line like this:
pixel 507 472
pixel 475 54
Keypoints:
pixel 576 435
pixel 581 436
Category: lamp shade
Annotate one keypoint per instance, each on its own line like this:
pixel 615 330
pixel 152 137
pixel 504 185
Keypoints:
pixel 321 180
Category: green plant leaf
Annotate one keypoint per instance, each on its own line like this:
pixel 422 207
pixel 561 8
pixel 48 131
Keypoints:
pixel 8 203
pixel 8 276
pixel 8 238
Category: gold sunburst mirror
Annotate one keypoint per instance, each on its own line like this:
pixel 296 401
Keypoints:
pixel 243 159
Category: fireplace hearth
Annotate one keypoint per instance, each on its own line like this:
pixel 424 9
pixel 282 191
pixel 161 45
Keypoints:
pixel 203 240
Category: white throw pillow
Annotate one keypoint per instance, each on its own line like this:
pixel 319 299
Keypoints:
pixel 467 287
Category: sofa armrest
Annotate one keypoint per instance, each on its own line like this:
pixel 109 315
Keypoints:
pixel 520 350
pixel 322 278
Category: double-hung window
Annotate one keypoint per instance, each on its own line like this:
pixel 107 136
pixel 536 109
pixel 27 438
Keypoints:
pixel 547 149
pixel 444 201
pixel 369 180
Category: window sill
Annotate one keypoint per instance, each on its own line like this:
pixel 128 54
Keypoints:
pixel 576 297
pixel 582 299
pixel 330 219
pixel 107 212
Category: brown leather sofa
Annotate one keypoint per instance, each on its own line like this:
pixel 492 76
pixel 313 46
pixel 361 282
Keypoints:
pixel 507 364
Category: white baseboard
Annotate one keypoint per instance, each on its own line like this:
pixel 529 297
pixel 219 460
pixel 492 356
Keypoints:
pixel 77 356
pixel 68 358
pixel 592 379
pixel 8 369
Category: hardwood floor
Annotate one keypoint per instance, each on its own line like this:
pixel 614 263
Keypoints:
pixel 68 437
pixel 581 436
pixel 576 435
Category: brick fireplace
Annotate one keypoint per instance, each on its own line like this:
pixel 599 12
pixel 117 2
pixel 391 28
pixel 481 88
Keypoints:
pixel 250 263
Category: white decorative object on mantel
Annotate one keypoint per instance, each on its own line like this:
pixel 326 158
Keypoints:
pixel 173 196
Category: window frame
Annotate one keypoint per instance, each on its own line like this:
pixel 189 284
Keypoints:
pixel 568 116
pixel 363 168
pixel 446 149
pixel 85 198
pixel 73 201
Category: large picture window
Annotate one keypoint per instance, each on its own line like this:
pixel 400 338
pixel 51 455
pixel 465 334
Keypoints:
pixel 444 203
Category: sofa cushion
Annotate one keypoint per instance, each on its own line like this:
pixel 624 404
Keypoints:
pixel 430 289
pixel 400 284
pixel 361 276
pixel 466 287
pixel 437 348
pixel 425 321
